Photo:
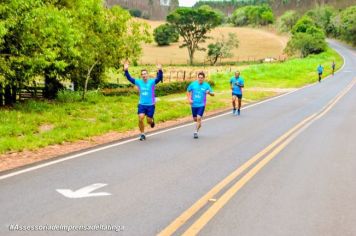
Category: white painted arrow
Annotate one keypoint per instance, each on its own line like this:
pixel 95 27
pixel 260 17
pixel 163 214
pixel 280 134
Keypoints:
pixel 84 192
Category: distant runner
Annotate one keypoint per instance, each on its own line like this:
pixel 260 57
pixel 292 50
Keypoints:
pixel 146 106
pixel 236 84
pixel 320 72
pixel 333 65
pixel 196 94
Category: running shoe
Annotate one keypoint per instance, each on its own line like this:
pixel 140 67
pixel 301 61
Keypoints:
pixel 142 137
pixel 195 135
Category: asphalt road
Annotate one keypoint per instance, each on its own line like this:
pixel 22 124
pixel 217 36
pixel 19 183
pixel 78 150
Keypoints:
pixel 306 187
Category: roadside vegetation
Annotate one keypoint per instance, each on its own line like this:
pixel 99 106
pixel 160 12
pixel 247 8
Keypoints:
pixel 84 43
pixel 36 124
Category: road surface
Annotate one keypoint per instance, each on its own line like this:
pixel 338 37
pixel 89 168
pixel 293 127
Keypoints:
pixel 286 166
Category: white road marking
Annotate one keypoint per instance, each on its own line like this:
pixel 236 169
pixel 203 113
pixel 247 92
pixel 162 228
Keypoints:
pixel 84 192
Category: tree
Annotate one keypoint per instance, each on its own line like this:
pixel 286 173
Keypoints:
pixel 303 25
pixel 347 26
pixel 165 34
pixel 63 39
pixel 110 37
pixel 323 15
pixel 255 15
pixel 287 21
pixel 222 48
pixel 193 24
pixel 239 17
pixel 50 43
pixel 307 38
pixel 12 56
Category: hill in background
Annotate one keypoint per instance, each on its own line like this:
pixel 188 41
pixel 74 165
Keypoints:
pixel 150 9
pixel 278 6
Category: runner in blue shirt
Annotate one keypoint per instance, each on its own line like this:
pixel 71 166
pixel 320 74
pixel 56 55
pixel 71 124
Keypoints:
pixel 196 94
pixel 320 72
pixel 146 87
pixel 236 84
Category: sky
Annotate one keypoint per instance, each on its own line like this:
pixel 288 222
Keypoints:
pixel 187 3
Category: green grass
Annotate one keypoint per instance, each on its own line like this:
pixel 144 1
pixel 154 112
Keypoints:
pixel 70 119
pixel 293 73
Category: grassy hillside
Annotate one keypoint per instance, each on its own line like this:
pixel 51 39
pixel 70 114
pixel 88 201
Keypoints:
pixel 254 44
pixel 278 6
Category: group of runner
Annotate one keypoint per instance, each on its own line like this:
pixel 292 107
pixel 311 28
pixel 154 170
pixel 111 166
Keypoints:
pixel 197 92
pixel 320 70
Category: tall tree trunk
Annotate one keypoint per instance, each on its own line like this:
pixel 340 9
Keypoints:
pixel 1 95
pixel 87 79
pixel 8 95
pixel 13 93
pixel 191 56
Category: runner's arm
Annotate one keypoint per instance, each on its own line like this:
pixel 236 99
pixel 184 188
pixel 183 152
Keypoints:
pixel 210 91
pixel 129 78
pixel 189 96
pixel 159 76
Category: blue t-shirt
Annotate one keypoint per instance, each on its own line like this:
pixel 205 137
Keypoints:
pixel 147 89
pixel 199 93
pixel 320 69
pixel 236 89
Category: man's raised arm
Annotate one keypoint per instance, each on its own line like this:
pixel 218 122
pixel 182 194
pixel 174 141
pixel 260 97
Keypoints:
pixel 159 74
pixel 127 74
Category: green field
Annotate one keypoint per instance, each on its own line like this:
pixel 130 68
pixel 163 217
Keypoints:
pixel 36 124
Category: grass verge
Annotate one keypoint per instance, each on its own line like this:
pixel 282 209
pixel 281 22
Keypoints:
pixel 35 124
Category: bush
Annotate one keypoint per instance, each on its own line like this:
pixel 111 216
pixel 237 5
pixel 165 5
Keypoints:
pixel 254 15
pixel 239 17
pixel 68 96
pixel 287 21
pixel 306 44
pixel 222 48
pixel 165 34
pixel 135 12
pixel 303 24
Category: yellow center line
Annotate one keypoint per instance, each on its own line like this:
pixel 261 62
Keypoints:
pixel 195 228
pixel 178 222
pixel 186 215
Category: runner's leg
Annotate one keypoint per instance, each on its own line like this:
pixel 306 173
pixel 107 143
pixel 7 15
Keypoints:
pixel 141 123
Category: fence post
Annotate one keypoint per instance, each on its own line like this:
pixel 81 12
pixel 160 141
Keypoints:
pixel 184 76
pixel 170 76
